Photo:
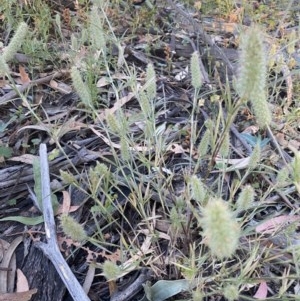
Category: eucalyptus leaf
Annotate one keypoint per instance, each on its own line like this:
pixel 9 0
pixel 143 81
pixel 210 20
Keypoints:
pixel 29 221
pixel 164 289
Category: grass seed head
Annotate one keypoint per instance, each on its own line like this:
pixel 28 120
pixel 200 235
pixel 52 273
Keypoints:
pixel 224 149
pixel 204 143
pixel 81 88
pixel 4 69
pixel 145 104
pixel 252 62
pixel 124 149
pixel 231 292
pixel 283 175
pixel 261 109
pixel 96 30
pixel 197 77
pixel 255 156
pixel 16 42
pixel 198 295
pixel 72 228
pixel 151 82
pixel 246 198
pixel 111 271
pixel 198 189
pixel 251 82
pixel 296 170
pixel 67 177
pixel 220 229
pixel 113 123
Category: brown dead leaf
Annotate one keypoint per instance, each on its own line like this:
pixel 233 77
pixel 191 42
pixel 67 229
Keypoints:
pixel 273 224
pixel 24 76
pixel 280 137
pixel 176 148
pixel 65 208
pixel 38 98
pixel 22 296
pixel 60 87
pixel 27 158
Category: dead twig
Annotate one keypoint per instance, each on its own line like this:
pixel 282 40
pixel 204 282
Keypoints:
pixel 50 249
pixel 132 289
pixel 14 93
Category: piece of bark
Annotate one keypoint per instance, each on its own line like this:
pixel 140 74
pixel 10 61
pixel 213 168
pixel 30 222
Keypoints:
pixel 42 275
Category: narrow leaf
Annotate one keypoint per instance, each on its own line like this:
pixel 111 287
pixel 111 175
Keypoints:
pixel 29 221
pixel 165 289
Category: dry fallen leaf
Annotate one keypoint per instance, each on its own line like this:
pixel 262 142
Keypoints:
pixel 102 82
pixel 65 207
pixel 89 278
pixel 273 224
pixel 60 87
pixel 235 163
pixel 27 158
pixel 176 148
pixel 24 76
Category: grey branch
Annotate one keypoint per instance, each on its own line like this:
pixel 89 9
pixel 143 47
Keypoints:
pixel 50 249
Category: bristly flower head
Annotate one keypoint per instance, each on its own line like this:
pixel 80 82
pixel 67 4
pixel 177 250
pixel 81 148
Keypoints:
pixel 252 64
pixel 204 143
pixel 96 29
pixel 198 189
pixel 72 228
pixel 246 198
pixel 251 82
pixel 255 156
pixel 197 77
pixel 261 109
pixel 15 42
pixel 220 229
pixel 4 69
pixel 81 88
pixel 231 292
pixel 111 270
pixel 151 82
